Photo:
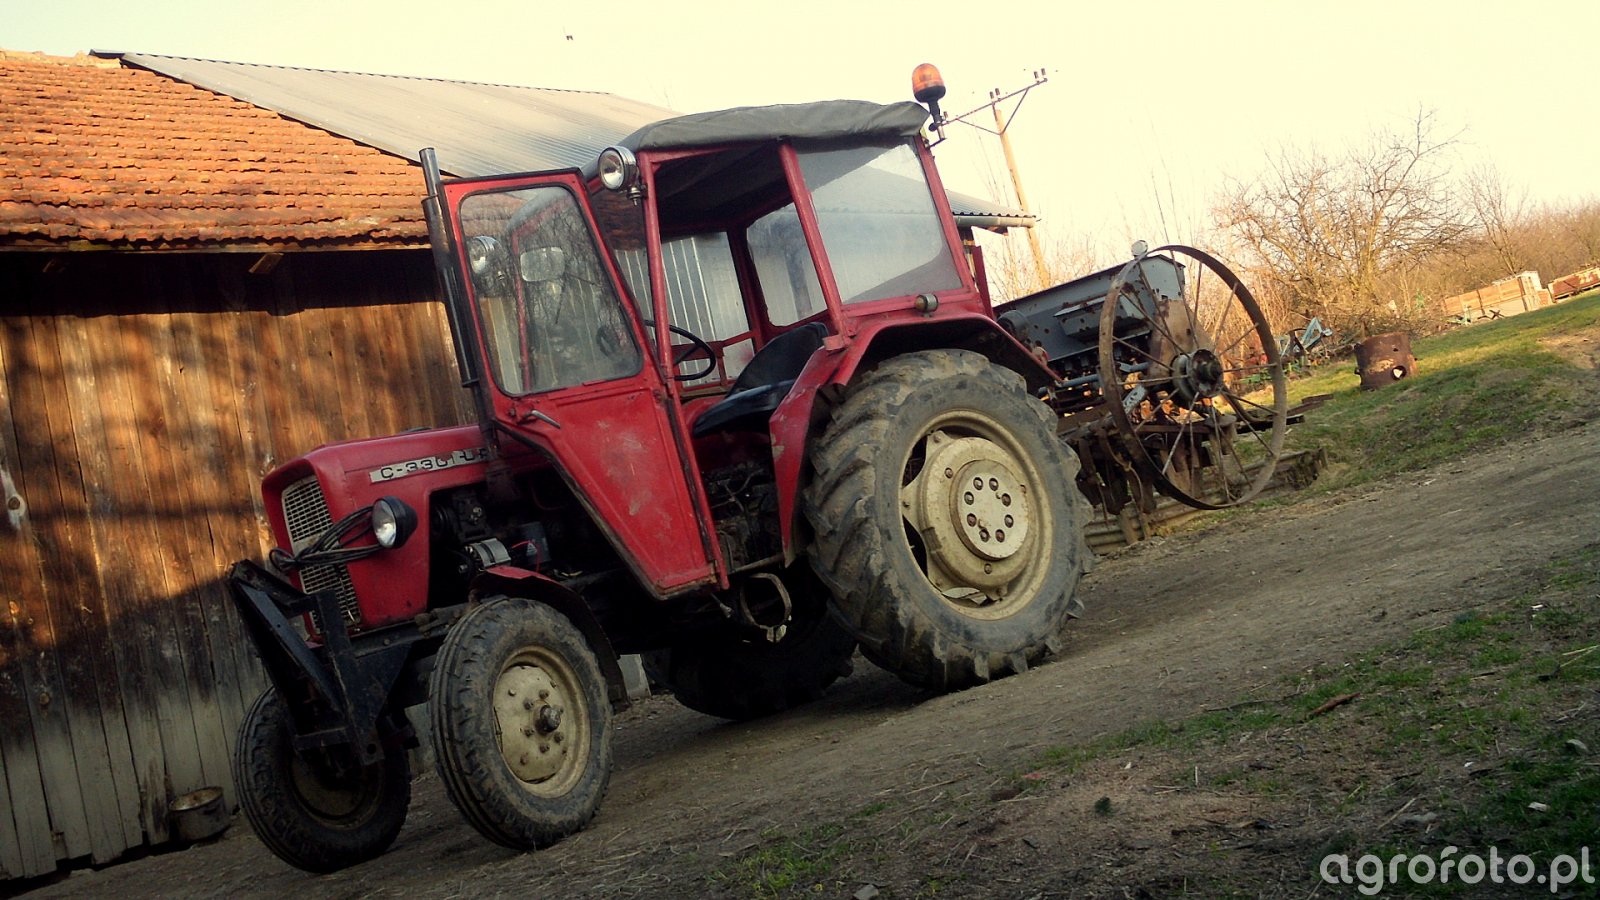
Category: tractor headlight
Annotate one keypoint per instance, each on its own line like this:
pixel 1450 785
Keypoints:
pixel 618 169
pixel 392 522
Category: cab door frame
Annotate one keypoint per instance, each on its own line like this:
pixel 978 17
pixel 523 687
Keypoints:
pixel 618 443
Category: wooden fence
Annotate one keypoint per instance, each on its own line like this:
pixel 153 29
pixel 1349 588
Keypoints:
pixel 142 397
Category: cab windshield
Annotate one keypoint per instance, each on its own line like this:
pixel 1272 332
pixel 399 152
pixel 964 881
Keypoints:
pixel 549 313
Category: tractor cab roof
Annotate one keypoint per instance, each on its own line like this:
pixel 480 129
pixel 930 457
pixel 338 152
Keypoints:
pixel 826 120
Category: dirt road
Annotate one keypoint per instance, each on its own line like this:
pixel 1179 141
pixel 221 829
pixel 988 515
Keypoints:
pixel 1173 626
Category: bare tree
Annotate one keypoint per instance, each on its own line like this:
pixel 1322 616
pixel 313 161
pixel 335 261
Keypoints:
pixel 1337 233
pixel 1012 271
pixel 1502 217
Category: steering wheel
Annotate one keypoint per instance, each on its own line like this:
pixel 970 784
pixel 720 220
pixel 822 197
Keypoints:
pixel 697 344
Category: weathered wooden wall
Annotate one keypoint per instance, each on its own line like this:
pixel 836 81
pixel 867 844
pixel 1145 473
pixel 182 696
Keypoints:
pixel 142 397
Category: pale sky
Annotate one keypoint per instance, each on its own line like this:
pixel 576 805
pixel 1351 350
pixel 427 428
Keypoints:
pixel 1143 99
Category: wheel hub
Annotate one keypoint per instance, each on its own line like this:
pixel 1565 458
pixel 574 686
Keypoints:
pixel 989 515
pixel 332 794
pixel 1198 374
pixel 973 511
pixel 530 709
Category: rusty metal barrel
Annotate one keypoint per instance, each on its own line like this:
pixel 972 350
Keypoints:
pixel 1384 359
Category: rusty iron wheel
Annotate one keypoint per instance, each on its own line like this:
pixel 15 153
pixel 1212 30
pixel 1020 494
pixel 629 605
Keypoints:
pixel 1194 383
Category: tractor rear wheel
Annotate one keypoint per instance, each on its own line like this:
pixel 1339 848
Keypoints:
pixel 313 814
pixel 735 675
pixel 946 519
pixel 521 723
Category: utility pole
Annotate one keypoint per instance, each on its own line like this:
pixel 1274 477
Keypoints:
pixel 1002 125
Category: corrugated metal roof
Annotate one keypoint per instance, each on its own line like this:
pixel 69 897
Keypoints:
pixel 478 129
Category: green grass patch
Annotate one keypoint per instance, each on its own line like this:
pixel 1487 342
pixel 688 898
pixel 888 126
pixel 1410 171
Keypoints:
pixel 1474 387
pixel 784 863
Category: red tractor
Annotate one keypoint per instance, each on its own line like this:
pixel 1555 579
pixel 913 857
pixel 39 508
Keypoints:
pixel 743 408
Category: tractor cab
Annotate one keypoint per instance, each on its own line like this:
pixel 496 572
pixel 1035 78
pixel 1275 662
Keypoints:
pixel 645 322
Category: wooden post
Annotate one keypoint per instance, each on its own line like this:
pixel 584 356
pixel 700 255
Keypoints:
pixel 1040 276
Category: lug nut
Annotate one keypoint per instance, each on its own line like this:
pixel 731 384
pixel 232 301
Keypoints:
pixel 977 483
pixel 1000 535
pixel 968 497
pixel 1005 499
pixel 994 484
pixel 1009 522
pixel 971 519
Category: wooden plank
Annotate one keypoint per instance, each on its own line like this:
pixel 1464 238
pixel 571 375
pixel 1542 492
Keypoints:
pixel 356 359
pixel 115 812
pixel 157 445
pixel 10 846
pixel 134 570
pixel 208 501
pixel 232 360
pixel 296 426
pixel 182 469
pixel 25 823
pixel 139 626
pixel 49 467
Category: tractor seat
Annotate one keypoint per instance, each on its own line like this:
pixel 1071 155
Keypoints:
pixel 765 381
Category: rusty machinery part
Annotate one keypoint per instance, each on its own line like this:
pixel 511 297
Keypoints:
pixel 521 723
pixel 318 809
pixel 946 520
pixel 1193 382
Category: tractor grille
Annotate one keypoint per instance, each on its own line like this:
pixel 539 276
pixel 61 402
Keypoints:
pixel 305 511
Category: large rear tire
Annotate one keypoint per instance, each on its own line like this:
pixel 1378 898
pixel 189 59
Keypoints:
pixel 521 723
pixel 734 675
pixel 946 519
pixel 312 816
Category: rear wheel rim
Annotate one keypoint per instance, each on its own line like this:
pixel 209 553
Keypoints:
pixel 972 503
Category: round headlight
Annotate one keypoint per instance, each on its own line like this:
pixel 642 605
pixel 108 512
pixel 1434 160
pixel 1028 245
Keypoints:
pixel 392 522
pixel 618 168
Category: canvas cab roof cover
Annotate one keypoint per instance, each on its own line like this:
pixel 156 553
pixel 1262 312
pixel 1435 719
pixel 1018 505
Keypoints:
pixel 821 121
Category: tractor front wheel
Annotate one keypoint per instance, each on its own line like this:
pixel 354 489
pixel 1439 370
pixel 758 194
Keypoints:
pixel 521 723
pixel 312 811
pixel 946 519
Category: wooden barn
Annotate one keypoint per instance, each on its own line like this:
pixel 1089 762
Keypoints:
pixel 205 269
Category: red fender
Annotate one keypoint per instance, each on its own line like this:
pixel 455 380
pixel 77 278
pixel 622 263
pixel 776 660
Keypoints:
pixel 519 582
pixel 831 369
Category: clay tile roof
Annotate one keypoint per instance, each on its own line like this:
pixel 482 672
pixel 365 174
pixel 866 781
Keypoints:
pixel 91 152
